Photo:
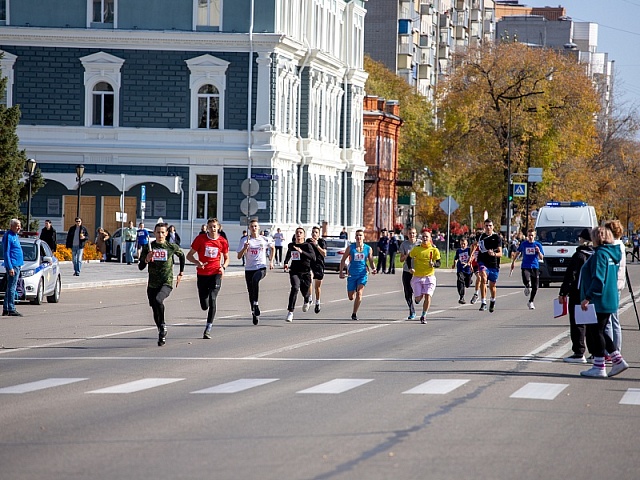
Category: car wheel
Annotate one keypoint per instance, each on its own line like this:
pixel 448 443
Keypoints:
pixel 55 296
pixel 39 294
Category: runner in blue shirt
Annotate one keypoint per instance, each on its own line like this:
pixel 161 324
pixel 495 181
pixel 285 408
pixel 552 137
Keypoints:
pixel 359 254
pixel 532 252
pixel 462 262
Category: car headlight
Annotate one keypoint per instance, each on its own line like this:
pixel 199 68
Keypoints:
pixel 28 273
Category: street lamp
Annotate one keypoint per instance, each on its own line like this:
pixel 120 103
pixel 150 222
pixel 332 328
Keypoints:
pixel 79 175
pixel 31 168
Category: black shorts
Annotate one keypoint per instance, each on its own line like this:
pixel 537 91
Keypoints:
pixel 318 273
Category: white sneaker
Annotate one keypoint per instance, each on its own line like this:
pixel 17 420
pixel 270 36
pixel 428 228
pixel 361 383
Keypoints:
pixel 595 372
pixel 575 358
pixel 305 306
pixel 531 306
pixel 290 317
pixel 618 368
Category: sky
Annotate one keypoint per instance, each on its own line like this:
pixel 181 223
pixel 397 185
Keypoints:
pixel 618 35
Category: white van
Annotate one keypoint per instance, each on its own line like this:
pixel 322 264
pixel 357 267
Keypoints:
pixel 558 225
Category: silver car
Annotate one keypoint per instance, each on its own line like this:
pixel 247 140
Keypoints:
pixel 335 249
pixel 116 251
pixel 40 272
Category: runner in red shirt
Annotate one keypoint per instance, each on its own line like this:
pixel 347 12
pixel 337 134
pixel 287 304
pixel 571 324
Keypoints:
pixel 213 257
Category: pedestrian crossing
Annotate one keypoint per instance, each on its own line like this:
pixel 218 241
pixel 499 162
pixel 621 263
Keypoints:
pixel 439 386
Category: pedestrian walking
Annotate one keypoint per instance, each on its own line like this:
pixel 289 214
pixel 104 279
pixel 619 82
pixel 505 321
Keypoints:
pixel 278 239
pixel 360 256
pixel 462 264
pixel 532 252
pixel 300 255
pixel 426 258
pixel 13 262
pixel 49 236
pixel 76 238
pixel 570 291
pixel 489 248
pixel 158 255
pixel 407 269
pixel 254 249
pixel 212 252
pixel 613 325
pixel 599 286
pixel 317 266
pixel 129 234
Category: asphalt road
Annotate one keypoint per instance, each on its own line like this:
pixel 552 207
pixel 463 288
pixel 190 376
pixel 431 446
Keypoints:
pixel 85 392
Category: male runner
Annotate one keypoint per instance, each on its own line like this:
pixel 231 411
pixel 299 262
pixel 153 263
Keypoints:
pixel 358 254
pixel 531 252
pixel 426 258
pixel 407 269
pixel 462 262
pixel 489 248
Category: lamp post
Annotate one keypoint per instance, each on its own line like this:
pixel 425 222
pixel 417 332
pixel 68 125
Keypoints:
pixel 79 175
pixel 31 168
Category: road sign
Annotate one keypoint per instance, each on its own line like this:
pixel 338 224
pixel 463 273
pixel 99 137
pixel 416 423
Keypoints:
pixel 534 214
pixel 263 176
pixel 535 175
pixel 250 187
pixel 143 193
pixel 249 206
pixel 121 216
pixel 519 189
pixel 449 205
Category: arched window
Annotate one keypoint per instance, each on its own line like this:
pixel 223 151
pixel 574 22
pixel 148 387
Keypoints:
pixel 208 107
pixel 102 105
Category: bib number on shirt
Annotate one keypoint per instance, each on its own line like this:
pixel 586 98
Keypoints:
pixel 160 255
pixel 358 257
pixel 295 255
pixel 530 251
pixel 211 252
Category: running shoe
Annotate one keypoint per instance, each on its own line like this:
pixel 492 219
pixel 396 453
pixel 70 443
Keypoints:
pixel 527 290
pixel 411 316
pixel 317 309
pixel 483 307
pixel 531 306
pixel 162 336
pixel 256 310
pixel 256 319
pixel 289 316
pixel 423 320
pixel 306 305
pixel 207 333
pixel 354 316
pixel 474 299
pixel 492 305
pixel 461 301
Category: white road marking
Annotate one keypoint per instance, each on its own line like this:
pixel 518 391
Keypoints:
pixel 339 385
pixel 437 386
pixel 631 397
pixel 238 385
pixel 137 385
pixel 539 391
pixel 40 385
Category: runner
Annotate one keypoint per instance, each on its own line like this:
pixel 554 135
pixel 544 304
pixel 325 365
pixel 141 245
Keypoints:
pixel 254 249
pixel 317 267
pixel 426 259
pixel 213 258
pixel 531 252
pixel 159 256
pixel 358 254
pixel 462 262
pixel 489 248
pixel 302 255
pixel 407 269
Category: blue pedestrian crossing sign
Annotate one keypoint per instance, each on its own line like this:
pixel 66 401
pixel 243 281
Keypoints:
pixel 519 189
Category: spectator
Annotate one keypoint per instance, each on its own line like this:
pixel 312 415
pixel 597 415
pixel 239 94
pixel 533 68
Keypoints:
pixel 129 235
pixel 383 250
pixel 393 250
pixel 101 242
pixel 13 261
pixel 49 236
pixel 172 235
pixel 76 238
pixel 343 234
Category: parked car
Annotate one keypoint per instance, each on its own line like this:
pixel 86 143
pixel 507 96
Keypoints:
pixel 335 249
pixel 116 250
pixel 40 272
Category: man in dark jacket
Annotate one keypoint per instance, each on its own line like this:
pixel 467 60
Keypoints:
pixel 48 235
pixel 76 238
pixel 569 288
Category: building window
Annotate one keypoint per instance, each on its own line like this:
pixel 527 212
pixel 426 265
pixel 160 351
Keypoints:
pixel 206 196
pixel 208 83
pixel 103 11
pixel 3 12
pixel 7 61
pixel 103 105
pixel 208 107
pixel 208 13
pixel 102 82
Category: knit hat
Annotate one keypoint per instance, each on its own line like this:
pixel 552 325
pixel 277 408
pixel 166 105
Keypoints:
pixel 585 234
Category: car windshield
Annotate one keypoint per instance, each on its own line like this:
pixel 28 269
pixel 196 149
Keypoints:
pixel 558 235
pixel 29 252
pixel 336 243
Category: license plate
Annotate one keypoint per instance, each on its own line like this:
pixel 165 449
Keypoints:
pixel 331 254
pixel 559 269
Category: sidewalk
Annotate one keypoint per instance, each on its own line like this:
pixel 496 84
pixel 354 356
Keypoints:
pixel 96 274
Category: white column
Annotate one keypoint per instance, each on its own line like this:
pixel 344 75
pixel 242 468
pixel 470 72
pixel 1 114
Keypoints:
pixel 263 93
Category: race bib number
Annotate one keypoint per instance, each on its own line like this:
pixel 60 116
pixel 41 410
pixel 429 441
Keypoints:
pixel 481 246
pixel 530 250
pixel 211 252
pixel 160 255
pixel 295 255
pixel 464 257
pixel 358 257
pixel 255 252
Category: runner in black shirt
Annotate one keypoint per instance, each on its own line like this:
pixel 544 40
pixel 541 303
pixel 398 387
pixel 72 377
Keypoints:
pixel 301 255
pixel 317 267
pixel 489 247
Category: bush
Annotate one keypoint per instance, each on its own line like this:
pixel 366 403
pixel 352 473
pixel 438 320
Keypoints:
pixel 63 254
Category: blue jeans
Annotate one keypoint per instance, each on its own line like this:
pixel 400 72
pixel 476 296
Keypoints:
pixel 76 258
pixel 9 304
pixel 130 249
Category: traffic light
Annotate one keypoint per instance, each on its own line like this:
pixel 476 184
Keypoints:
pixel 510 194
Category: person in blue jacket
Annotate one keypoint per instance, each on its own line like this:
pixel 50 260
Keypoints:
pixel 13 261
pixel 532 252
pixel 599 286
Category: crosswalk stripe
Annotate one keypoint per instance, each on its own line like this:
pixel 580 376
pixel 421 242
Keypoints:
pixel 437 386
pixel 339 385
pixel 539 391
pixel 137 385
pixel 631 397
pixel 40 385
pixel 237 385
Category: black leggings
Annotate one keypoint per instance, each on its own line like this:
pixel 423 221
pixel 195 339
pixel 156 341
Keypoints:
pixel 300 282
pixel 462 280
pixel 253 277
pixel 156 297
pixel 408 291
pixel 530 276
pixel 208 288
pixel 597 339
pixel 278 254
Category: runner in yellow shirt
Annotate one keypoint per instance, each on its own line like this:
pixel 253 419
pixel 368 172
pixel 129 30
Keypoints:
pixel 426 259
